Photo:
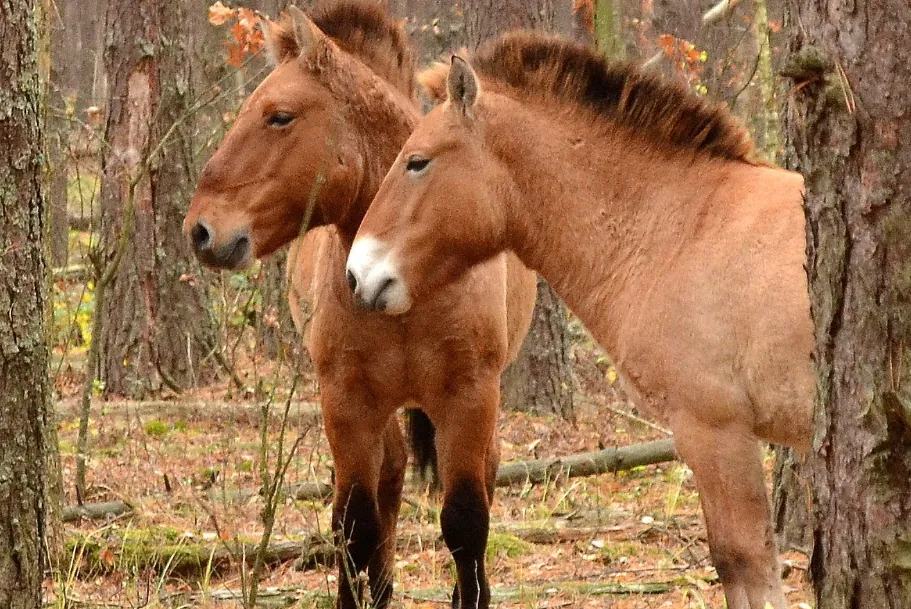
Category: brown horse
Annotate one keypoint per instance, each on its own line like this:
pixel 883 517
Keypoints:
pixel 645 210
pixel 310 148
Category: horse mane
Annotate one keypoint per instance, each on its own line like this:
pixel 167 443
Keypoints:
pixel 532 64
pixel 363 29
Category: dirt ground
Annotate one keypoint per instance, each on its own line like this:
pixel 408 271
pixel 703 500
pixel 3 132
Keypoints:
pixel 630 539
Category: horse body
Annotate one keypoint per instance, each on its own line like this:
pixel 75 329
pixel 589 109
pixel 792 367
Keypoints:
pixel 310 147
pixel 642 208
pixel 690 270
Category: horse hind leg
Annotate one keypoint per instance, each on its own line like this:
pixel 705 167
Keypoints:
pixel 727 468
pixel 389 499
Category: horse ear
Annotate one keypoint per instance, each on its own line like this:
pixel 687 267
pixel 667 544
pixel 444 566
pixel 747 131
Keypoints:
pixel 281 44
pixel 462 85
pixel 308 36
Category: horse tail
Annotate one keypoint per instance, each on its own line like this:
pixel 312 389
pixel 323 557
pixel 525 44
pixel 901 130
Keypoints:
pixel 422 435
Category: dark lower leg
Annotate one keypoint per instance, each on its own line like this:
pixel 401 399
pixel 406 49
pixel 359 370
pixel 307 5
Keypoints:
pixel 389 499
pixel 465 520
pixel 355 523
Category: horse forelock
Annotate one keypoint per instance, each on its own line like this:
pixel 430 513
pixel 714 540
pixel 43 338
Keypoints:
pixel 363 29
pixel 543 67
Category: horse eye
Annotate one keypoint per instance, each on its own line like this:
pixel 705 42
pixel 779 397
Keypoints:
pixel 417 164
pixel 280 119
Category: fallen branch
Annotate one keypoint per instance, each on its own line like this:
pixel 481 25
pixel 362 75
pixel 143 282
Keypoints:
pixel 73 272
pixel 191 557
pixel 509 474
pixel 586 464
pixel 302 412
pixel 188 558
pixel 96 511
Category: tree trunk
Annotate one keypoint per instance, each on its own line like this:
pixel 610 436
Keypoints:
pixel 791 500
pixel 56 129
pixel 849 131
pixel 156 328
pixel 766 129
pixel 24 389
pixel 540 380
pixel 608 31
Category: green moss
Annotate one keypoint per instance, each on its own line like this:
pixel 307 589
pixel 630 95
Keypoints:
pixel 503 544
pixel 156 428
pixel 808 62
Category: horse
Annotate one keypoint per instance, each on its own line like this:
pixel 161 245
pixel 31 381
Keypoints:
pixel 646 209
pixel 309 149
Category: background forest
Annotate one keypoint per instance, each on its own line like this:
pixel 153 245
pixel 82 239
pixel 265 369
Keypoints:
pixel 185 455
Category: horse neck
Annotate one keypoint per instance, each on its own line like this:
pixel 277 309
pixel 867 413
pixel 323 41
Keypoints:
pixel 601 202
pixel 382 118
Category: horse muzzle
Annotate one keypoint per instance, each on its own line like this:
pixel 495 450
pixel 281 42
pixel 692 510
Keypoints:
pixel 374 279
pixel 235 253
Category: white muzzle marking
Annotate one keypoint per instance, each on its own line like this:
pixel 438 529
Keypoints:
pixel 374 278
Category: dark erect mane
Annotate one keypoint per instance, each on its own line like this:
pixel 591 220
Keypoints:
pixel 538 65
pixel 363 29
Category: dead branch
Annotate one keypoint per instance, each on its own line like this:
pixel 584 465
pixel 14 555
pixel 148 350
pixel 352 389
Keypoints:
pixel 302 412
pixel 96 511
pixel 190 557
pixel 586 464
pixel 73 272
pixel 510 474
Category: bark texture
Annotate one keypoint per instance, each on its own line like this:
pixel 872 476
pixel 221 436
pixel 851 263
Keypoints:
pixel 849 132
pixel 792 504
pixel 156 327
pixel 486 19
pixel 24 389
pixel 540 380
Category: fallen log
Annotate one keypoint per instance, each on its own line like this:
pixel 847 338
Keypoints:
pixel 96 511
pixel 190 557
pixel 586 464
pixel 302 412
pixel 510 474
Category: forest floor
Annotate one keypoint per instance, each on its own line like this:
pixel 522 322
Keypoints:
pixel 630 539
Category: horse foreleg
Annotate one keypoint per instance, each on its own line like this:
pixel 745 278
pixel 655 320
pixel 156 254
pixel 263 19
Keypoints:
pixel 464 435
pixel 727 468
pixel 493 464
pixel 354 428
pixel 389 499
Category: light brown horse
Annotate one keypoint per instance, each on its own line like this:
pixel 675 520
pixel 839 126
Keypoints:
pixel 318 135
pixel 643 207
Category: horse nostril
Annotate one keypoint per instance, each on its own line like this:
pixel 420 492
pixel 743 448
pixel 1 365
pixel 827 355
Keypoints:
pixel 352 280
pixel 201 236
pixel 379 302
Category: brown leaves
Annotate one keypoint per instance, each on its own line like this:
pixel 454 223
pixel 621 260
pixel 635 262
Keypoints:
pixel 686 58
pixel 246 36
pixel 219 13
